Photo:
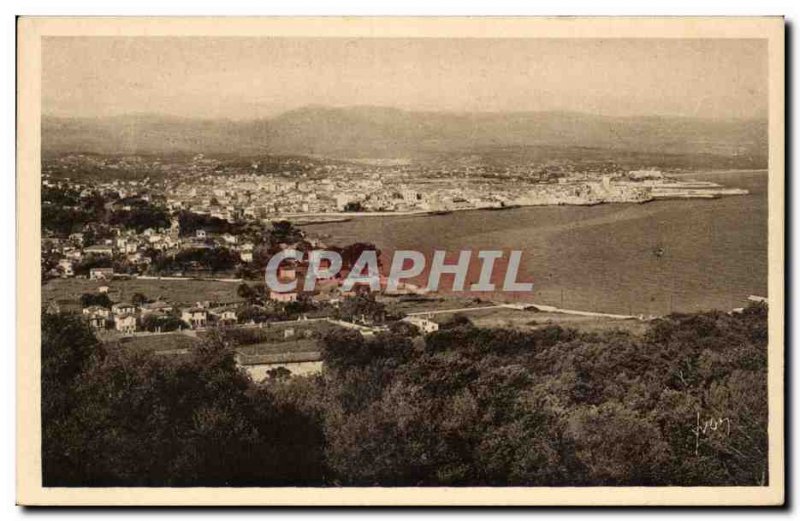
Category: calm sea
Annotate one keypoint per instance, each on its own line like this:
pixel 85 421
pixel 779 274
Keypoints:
pixel 654 258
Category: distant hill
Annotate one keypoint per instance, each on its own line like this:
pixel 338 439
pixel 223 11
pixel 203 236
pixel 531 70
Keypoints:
pixel 384 132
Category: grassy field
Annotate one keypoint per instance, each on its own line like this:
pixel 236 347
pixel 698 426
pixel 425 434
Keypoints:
pixel 432 303
pixel 155 342
pixel 290 346
pixel 528 319
pixel 177 291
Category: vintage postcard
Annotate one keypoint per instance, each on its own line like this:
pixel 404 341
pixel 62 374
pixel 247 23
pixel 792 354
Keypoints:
pixel 400 261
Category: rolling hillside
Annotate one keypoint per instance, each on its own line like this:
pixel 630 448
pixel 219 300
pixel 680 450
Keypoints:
pixel 384 132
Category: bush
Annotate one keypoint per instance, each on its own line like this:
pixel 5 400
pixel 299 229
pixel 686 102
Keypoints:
pixel 95 299
pixel 163 323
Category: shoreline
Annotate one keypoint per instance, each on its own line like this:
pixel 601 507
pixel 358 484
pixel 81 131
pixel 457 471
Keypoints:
pixel 681 192
pixel 721 171
pixel 349 216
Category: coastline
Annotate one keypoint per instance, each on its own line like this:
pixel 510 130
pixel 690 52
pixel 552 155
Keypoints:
pixel 721 171
pixel 348 216
pixel 680 189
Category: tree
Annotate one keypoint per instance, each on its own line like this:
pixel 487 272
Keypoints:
pixel 138 299
pixel 163 323
pixel 402 328
pixel 353 206
pixel 252 313
pixel 352 252
pixel 342 348
pixel 95 299
pixel 68 349
pixel 92 261
pixel 457 320
pixel 246 292
pixel 140 219
pixel 215 259
pixel 303 304
pixel 362 306
pixel 137 419
pixel 191 222
pixel 279 373
pixel 284 232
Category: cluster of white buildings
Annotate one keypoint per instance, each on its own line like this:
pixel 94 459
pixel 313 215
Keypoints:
pixel 259 196
pixel 134 248
pixel 127 318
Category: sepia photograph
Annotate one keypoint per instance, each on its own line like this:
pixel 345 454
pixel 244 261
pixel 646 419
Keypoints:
pixel 400 261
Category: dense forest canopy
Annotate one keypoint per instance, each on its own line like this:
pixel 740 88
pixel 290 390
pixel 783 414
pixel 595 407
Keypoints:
pixel 683 404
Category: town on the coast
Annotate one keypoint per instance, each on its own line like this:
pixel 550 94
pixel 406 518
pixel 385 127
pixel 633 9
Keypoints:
pixel 120 231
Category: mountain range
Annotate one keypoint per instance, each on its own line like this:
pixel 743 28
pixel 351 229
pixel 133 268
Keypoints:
pixel 378 132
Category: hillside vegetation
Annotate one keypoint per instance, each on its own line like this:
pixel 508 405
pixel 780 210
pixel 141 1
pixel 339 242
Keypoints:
pixel 683 404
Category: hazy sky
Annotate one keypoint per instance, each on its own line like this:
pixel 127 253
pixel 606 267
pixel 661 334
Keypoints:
pixel 256 77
